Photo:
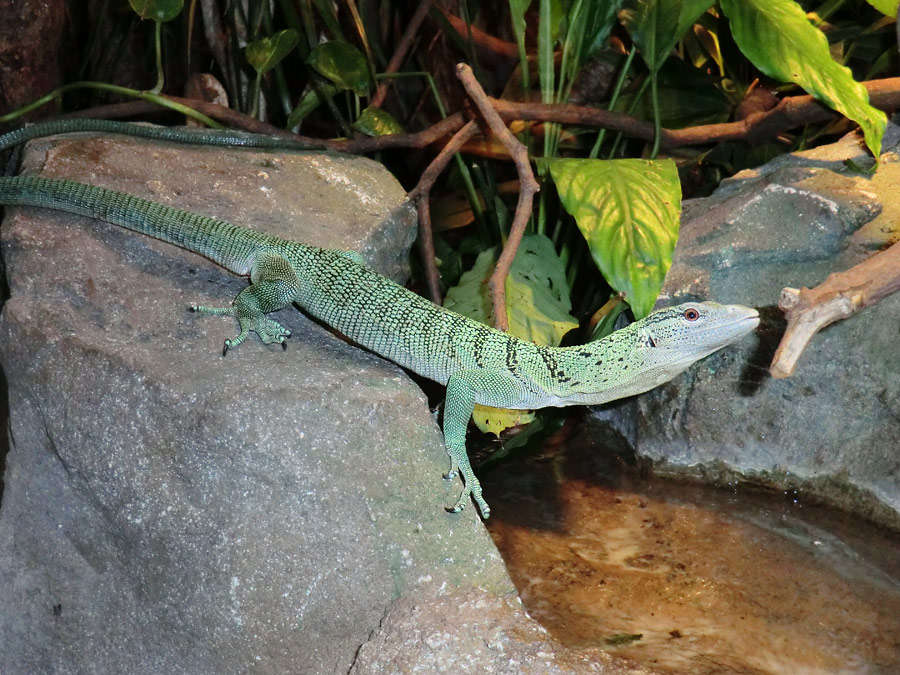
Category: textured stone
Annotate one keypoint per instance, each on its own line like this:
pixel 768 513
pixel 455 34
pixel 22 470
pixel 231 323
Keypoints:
pixel 831 429
pixel 168 510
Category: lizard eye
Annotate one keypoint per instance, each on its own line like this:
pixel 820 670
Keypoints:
pixel 691 314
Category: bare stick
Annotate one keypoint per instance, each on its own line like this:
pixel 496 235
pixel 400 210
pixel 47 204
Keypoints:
pixel 758 127
pixel 841 295
pixel 529 187
pixel 399 56
pixel 421 194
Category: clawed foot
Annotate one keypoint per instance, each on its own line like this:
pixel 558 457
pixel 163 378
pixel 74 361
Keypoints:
pixel 472 490
pixel 468 493
pixel 269 330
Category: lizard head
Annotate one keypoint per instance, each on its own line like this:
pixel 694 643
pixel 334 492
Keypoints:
pixel 655 349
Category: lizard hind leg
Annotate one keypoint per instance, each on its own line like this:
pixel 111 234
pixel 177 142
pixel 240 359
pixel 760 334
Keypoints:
pixel 273 285
pixel 463 389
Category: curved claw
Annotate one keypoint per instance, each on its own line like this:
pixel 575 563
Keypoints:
pixel 464 498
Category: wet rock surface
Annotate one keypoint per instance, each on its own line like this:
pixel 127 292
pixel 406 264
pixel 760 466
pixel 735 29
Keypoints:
pixel 830 430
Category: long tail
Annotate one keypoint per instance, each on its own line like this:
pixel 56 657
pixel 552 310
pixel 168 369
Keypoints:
pixel 226 244
pixel 225 138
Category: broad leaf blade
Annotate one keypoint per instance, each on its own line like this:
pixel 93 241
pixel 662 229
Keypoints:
pixel 656 25
pixel 377 122
pixel 628 211
pixel 651 23
pixel 343 64
pixel 778 38
pixel 886 7
pixel 265 53
pixel 537 296
pixel 537 306
pixel 160 11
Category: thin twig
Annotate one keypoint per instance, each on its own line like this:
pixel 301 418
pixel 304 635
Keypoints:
pixel 399 56
pixel 421 194
pixel 529 187
pixel 841 295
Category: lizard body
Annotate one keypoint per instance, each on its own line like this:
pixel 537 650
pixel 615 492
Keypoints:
pixel 477 363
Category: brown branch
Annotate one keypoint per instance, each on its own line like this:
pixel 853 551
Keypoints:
pixel 421 194
pixel 399 56
pixel 233 118
pixel 757 128
pixel 529 187
pixel 491 49
pixel 419 139
pixel 220 113
pixel 841 295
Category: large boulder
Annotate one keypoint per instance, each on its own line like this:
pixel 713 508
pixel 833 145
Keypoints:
pixel 168 510
pixel 830 431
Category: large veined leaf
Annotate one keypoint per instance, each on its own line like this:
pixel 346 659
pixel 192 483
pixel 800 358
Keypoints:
pixel 656 25
pixel 886 7
pixel 779 39
pixel 628 211
pixel 537 306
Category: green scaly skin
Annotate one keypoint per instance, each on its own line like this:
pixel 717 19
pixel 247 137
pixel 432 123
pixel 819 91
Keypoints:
pixel 478 364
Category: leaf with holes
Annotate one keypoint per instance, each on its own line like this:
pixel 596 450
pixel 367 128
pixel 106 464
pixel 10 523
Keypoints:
pixel 628 211
pixel 537 306
pixel 778 38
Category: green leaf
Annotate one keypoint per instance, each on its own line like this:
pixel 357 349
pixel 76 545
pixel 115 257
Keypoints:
pixel 599 20
pixel 497 420
pixel 651 23
pixel 537 296
pixel 376 122
pixel 265 53
pixel 628 211
pixel 537 306
pixel 343 64
pixel 551 14
pixel 656 25
pixel 886 7
pixel 160 11
pixel 778 38
pixel 311 100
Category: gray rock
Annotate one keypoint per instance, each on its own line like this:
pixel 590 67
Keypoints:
pixel 470 632
pixel 168 510
pixel 829 431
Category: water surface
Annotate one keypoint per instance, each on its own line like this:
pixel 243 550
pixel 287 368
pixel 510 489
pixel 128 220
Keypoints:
pixel 692 579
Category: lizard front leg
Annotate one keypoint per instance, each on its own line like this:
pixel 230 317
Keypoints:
pixel 464 390
pixel 273 285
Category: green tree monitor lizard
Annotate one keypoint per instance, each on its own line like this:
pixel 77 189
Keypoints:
pixel 477 363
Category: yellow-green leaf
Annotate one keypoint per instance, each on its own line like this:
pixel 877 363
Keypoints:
pixel 628 211
pixel 265 53
pixel 886 7
pixel 779 39
pixel 377 122
pixel 343 64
